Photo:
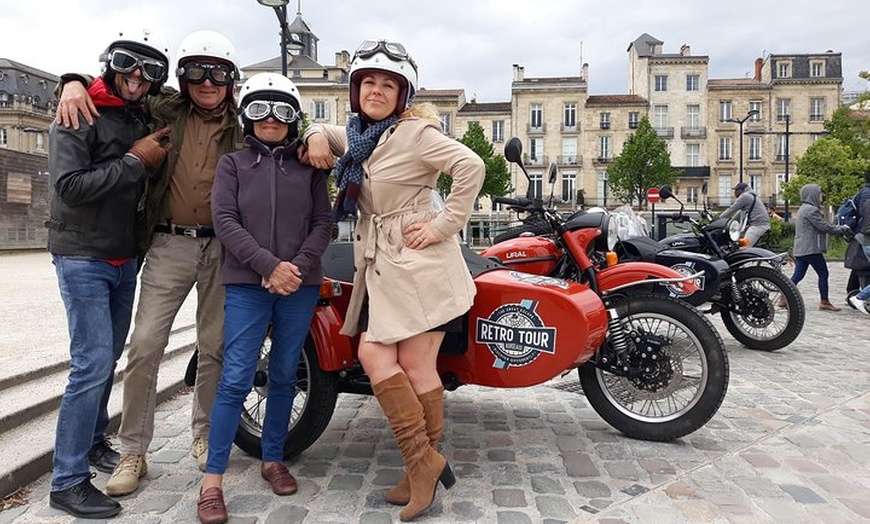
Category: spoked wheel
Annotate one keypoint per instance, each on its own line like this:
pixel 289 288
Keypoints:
pixel 772 311
pixel 668 379
pixel 316 394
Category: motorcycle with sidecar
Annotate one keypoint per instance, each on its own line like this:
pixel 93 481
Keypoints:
pixel 649 365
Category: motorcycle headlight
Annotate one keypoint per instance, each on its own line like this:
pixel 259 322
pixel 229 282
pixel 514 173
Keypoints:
pixel 612 231
pixel 733 229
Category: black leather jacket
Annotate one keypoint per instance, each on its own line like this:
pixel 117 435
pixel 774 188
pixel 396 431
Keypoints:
pixel 95 188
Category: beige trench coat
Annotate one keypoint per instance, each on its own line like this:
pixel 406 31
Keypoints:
pixel 409 291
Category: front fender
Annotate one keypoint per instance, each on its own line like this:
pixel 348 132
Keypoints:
pixel 745 255
pixel 334 351
pixel 630 272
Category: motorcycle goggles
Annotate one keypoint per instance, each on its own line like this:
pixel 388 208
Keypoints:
pixel 283 112
pixel 393 50
pixel 125 62
pixel 196 73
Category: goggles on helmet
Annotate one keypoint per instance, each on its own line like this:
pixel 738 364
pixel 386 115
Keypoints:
pixel 257 110
pixel 196 73
pixel 125 62
pixel 393 50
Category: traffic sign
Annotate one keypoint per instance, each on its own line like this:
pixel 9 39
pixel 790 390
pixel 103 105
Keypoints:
pixel 652 195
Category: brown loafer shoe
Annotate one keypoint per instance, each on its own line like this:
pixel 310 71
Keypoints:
pixel 827 306
pixel 211 508
pixel 279 478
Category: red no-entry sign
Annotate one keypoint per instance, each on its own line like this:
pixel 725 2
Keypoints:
pixel 652 195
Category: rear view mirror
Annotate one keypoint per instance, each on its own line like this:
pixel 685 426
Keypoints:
pixel 513 150
pixel 665 192
pixel 553 172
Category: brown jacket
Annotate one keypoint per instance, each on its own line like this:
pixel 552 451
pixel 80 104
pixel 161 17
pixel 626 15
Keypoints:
pixel 409 291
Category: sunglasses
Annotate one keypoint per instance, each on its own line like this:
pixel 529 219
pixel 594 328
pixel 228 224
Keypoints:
pixel 393 50
pixel 283 112
pixel 196 73
pixel 125 62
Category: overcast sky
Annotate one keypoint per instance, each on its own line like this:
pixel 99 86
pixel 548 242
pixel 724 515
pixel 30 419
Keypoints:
pixel 468 44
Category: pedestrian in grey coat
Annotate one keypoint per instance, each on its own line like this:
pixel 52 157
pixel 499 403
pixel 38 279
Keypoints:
pixel 811 241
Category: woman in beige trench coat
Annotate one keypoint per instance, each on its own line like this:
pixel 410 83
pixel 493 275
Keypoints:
pixel 411 283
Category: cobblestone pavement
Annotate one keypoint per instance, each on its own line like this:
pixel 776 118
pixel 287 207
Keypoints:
pixel 791 443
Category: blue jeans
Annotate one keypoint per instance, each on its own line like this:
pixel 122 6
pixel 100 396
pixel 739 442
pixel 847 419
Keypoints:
pixel 98 298
pixel 249 309
pixel 817 261
pixel 864 294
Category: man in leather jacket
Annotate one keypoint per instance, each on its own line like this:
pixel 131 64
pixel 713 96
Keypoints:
pixel 182 250
pixel 98 177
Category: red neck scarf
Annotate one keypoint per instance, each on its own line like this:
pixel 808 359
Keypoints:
pixel 102 96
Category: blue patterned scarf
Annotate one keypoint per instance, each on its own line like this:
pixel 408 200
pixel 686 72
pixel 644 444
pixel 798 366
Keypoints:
pixel 348 169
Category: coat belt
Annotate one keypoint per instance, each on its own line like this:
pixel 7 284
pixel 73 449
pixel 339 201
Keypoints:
pixel 376 224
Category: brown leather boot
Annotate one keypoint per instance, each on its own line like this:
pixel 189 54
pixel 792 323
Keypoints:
pixel 424 466
pixel 433 412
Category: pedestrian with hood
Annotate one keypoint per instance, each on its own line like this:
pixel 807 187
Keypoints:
pixel 392 152
pixel 811 241
pixel 179 235
pixel 861 300
pixel 99 174
pixel 273 216
pixel 758 218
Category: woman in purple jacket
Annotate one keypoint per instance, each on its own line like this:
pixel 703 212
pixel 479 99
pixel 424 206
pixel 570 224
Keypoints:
pixel 272 214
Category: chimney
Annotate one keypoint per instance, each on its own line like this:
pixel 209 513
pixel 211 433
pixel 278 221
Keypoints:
pixel 759 63
pixel 685 50
pixel 342 59
pixel 519 73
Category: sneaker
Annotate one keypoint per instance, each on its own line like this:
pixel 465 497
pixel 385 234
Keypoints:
pixel 858 304
pixel 125 478
pixel 199 451
pixel 102 457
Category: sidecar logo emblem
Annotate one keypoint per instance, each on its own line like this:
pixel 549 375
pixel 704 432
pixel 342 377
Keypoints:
pixel 539 280
pixel 686 268
pixel 516 335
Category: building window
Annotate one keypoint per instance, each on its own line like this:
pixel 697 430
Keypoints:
pixel 535 183
pixel 781 142
pixel 660 117
pixel 755 105
pixel 602 187
pixel 693 155
pixel 693 82
pixel 692 194
pixel 633 119
pixel 321 110
pixel 724 110
pixel 568 183
pixel 536 150
pixel 755 182
pixel 570 116
pixel 817 69
pixel 40 142
pixel 569 150
pixel 445 124
pixel 724 190
pixel 783 106
pixel 3 137
pixel 817 109
pixel 604 147
pixel 661 82
pixel 693 116
pixel 537 116
pixel 725 148
pixel 498 130
pixel 604 120
pixel 783 69
pixel 754 148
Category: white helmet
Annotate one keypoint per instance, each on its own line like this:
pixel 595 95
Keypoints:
pixel 275 86
pixel 389 57
pixel 267 88
pixel 143 42
pixel 208 44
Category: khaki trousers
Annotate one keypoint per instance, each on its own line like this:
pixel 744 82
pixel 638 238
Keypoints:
pixel 173 265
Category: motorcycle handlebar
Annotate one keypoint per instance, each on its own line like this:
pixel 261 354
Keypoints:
pixel 513 202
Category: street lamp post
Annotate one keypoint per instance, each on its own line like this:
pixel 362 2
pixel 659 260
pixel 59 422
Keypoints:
pixel 739 122
pixel 280 7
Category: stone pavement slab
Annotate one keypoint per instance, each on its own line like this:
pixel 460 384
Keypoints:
pixel 791 443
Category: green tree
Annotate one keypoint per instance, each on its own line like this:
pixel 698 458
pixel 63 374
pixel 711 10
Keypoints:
pixel 832 165
pixel 643 163
pixel 497 181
